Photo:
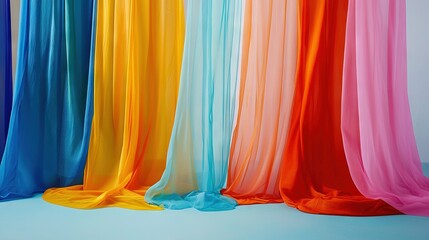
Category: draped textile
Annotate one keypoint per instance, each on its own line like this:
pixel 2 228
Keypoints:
pixel 5 71
pixel 136 77
pixel 314 173
pixel 198 153
pixel 376 120
pixel 48 134
pixel 266 91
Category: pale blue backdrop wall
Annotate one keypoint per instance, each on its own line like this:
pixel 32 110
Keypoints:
pixel 418 71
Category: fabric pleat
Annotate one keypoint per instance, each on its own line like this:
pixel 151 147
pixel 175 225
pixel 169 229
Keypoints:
pixel 51 113
pixel 376 119
pixel 314 173
pixel 5 72
pixel 138 56
pixel 198 153
pixel 267 82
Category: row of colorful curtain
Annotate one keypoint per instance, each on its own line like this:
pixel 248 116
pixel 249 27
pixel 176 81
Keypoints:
pixel 209 104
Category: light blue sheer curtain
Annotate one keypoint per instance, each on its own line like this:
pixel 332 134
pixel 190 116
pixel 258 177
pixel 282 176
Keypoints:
pixel 5 71
pixel 198 153
pixel 51 114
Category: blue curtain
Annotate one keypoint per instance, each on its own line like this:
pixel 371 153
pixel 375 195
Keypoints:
pixel 51 114
pixel 197 158
pixel 5 71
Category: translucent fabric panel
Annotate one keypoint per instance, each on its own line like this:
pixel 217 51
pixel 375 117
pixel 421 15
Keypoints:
pixel 138 56
pixel 376 120
pixel 314 173
pixel 5 72
pixel 266 91
pixel 51 114
pixel 198 153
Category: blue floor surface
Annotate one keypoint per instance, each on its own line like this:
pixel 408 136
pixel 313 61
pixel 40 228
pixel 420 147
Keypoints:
pixel 35 219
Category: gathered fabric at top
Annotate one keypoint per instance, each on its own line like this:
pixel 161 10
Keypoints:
pixel 51 114
pixel 138 55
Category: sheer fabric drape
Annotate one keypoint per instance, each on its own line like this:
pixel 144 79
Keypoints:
pixel 136 77
pixel 5 72
pixel 198 153
pixel 266 91
pixel 47 140
pixel 376 120
pixel 314 173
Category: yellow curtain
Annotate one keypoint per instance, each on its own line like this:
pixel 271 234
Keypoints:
pixel 137 65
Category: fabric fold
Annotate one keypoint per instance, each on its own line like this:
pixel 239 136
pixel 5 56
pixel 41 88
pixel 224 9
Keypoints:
pixel 51 113
pixel 198 153
pixel 268 68
pixel 314 173
pixel 376 120
pixel 5 72
pixel 138 54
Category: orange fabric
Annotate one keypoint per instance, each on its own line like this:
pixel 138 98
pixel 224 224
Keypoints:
pixel 266 93
pixel 314 175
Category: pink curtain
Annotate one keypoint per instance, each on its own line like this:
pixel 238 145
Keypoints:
pixel 376 120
